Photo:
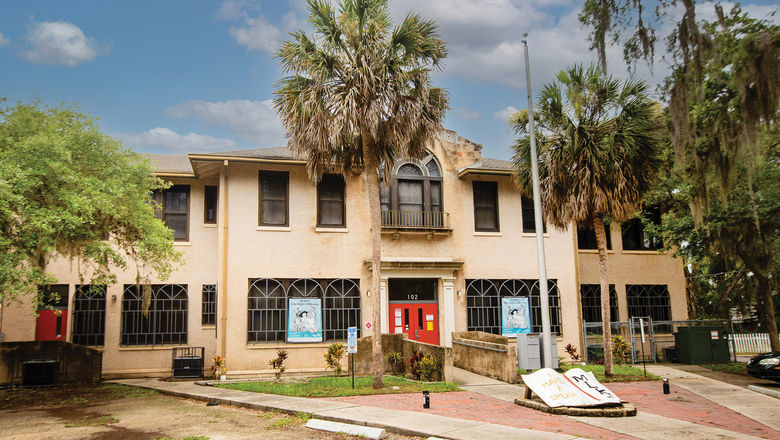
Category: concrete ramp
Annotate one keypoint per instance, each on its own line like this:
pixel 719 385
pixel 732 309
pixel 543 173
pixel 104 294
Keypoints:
pixel 487 386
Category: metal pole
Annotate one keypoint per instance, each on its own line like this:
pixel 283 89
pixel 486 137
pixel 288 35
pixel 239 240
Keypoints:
pixel 544 300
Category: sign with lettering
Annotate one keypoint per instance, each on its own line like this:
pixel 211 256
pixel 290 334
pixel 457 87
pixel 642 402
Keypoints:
pixel 573 388
pixel 304 320
pixel 351 339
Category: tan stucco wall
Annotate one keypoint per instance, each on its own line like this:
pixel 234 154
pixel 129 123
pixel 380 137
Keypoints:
pixel 302 251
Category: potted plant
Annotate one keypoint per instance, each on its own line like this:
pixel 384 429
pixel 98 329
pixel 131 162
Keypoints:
pixel 219 368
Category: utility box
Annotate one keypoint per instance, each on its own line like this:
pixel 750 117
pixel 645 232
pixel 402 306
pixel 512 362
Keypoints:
pixel 188 362
pixel 40 373
pixel 529 355
pixel 702 345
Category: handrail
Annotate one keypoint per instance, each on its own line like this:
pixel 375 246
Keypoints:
pixel 455 341
pixel 416 219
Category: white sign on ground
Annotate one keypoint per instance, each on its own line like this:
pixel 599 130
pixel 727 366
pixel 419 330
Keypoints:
pixel 573 388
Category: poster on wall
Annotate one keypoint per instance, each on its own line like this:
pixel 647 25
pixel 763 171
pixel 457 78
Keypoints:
pixel 515 316
pixel 304 320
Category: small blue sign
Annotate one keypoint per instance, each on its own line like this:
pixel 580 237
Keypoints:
pixel 351 339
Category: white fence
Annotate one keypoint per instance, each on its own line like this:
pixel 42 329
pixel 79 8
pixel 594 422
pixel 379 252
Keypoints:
pixel 750 343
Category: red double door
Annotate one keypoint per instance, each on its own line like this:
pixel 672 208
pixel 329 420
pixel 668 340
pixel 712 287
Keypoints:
pixel 420 321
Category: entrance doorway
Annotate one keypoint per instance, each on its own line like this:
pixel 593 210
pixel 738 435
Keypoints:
pixel 414 308
pixel 52 322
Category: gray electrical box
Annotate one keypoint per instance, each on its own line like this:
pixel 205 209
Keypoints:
pixel 554 350
pixel 529 356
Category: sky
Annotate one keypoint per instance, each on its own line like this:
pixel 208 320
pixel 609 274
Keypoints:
pixel 195 76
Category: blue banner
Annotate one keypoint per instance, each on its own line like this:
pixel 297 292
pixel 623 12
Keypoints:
pixel 515 316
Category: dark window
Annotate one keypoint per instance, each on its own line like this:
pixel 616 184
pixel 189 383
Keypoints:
pixel 483 303
pixel 209 306
pixel 174 208
pixel 413 196
pixel 590 295
pixel 635 238
pixel 586 238
pixel 650 300
pixel 210 195
pixel 268 302
pixel 412 289
pixel 89 315
pixel 529 221
pixel 53 296
pixel 485 206
pixel 273 198
pixel 330 201
pixel 166 321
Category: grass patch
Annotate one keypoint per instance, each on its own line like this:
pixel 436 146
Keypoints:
pixel 340 386
pixel 72 394
pixel 298 418
pixel 620 373
pixel 91 421
pixel 733 368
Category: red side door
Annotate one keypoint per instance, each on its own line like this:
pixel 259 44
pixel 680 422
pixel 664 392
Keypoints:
pixel 52 325
pixel 420 321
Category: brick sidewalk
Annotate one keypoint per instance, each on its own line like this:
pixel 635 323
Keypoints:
pixel 647 396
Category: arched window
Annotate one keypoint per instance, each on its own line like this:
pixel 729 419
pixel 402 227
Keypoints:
pixel 89 315
pixel 166 321
pixel 413 195
pixel 267 306
pixel 342 308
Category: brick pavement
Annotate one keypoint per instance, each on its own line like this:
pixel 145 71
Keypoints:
pixel 468 405
pixel 647 396
pixel 685 405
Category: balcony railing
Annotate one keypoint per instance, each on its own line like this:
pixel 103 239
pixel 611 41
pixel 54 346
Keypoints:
pixel 436 220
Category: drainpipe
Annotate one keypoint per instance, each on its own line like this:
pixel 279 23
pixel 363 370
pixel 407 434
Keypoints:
pixel 222 246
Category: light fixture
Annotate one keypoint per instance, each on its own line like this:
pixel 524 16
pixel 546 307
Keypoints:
pixel 113 298
pixel 460 293
pixel 368 293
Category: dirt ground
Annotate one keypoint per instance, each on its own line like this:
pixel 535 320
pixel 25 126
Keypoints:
pixel 108 413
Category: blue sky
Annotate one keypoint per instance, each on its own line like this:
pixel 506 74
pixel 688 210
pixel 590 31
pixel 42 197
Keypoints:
pixel 197 76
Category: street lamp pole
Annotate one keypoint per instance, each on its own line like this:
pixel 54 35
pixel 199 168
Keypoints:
pixel 544 299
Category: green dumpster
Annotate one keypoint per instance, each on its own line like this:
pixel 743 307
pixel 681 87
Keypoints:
pixel 702 345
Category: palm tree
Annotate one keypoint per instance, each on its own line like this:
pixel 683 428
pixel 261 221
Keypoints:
pixel 599 152
pixel 359 93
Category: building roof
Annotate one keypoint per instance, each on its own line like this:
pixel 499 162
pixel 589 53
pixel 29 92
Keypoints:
pixel 488 166
pixel 170 164
pixel 280 153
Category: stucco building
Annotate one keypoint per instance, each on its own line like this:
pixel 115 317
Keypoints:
pixel 274 260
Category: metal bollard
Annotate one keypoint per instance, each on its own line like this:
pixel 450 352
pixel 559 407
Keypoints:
pixel 426 399
pixel 666 386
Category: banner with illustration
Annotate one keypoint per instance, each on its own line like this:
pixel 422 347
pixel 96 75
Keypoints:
pixel 304 320
pixel 515 315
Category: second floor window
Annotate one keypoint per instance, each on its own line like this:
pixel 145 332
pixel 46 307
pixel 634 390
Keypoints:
pixel 330 201
pixel 529 221
pixel 413 197
pixel 210 195
pixel 635 238
pixel 586 238
pixel 274 198
pixel 174 209
pixel 486 206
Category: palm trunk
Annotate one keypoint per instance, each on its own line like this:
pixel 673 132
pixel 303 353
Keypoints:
pixel 601 242
pixel 372 186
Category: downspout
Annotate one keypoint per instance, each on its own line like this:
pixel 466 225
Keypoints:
pixel 222 244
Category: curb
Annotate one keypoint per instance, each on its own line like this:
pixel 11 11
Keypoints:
pixel 766 391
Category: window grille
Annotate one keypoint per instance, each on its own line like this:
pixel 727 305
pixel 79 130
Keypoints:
pixel 650 300
pixel 267 306
pixel 342 309
pixel 209 306
pixel 483 303
pixel 166 321
pixel 590 295
pixel 89 315
pixel 267 315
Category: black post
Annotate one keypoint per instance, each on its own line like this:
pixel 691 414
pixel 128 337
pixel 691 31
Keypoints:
pixel 352 355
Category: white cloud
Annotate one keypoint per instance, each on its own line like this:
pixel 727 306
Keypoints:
pixel 505 113
pixel 467 113
pixel 4 41
pixel 163 139
pixel 253 121
pixel 59 42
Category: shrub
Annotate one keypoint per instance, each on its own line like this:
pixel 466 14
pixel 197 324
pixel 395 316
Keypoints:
pixel 333 357
pixel 621 349
pixel 396 361
pixel 429 367
pixel 278 363
pixel 414 364
pixel 572 352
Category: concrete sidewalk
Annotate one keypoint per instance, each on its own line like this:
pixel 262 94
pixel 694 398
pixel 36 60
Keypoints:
pixel 402 422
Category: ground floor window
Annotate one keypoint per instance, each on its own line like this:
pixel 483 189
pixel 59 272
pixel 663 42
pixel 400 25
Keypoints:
pixel 270 301
pixel 165 323
pixel 209 305
pixel 89 315
pixel 590 294
pixel 483 303
pixel 650 300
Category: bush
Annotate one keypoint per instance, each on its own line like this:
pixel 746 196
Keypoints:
pixel 572 352
pixel 430 368
pixel 333 357
pixel 414 364
pixel 278 363
pixel 621 350
pixel 396 361
pixel 596 355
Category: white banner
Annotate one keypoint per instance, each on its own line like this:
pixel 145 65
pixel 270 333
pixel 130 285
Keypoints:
pixel 573 388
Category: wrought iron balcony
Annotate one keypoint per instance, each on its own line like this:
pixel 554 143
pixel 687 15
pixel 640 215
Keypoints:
pixel 416 220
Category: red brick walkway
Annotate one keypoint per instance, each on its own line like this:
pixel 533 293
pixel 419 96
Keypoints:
pixel 647 396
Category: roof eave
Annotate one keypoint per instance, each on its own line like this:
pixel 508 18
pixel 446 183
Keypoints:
pixel 483 171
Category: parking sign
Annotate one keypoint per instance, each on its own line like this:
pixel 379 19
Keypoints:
pixel 351 339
